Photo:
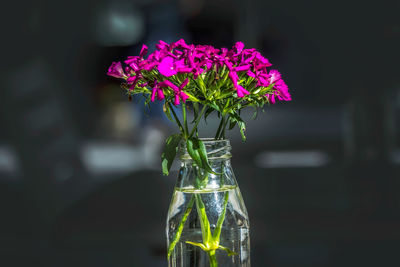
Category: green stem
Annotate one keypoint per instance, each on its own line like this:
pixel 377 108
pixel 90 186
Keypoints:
pixel 197 121
pixel 221 218
pixel 180 227
pixel 204 223
pixel 213 259
pixel 224 127
pixel 176 119
pixel 185 118
pixel 219 128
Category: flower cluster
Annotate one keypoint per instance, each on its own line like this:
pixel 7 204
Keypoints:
pixel 223 80
pixel 201 73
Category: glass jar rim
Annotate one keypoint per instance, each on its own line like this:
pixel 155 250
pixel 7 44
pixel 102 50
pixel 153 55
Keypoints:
pixel 219 148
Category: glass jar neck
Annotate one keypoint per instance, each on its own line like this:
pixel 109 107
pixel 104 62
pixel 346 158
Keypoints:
pixel 193 177
pixel 217 150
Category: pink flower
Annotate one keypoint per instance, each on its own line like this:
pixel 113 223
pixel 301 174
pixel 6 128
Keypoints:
pixel 143 51
pixel 242 68
pixel 260 62
pixel 179 94
pixel 274 76
pixel 115 70
pixel 241 91
pixel 169 67
pixel 166 67
pixel 157 90
pixel 133 80
pixel 234 78
pixel 181 44
pixel 161 45
pixel 282 91
pixel 239 47
pixel 271 98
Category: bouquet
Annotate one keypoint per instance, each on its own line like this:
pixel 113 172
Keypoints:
pixel 201 79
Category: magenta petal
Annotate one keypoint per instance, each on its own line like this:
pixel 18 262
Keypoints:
pixel 166 67
pixel 183 96
pixel 160 94
pixel 115 70
pixel 242 68
pixel 179 63
pixel 241 91
pixel 283 90
pixel 161 45
pixel 184 70
pixel 251 74
pixel 263 82
pixel 131 60
pixel 239 46
pixel 185 82
pixel 233 76
pixel 272 99
pixel 176 101
pixel 181 43
pixel 153 94
pixel 274 76
pixel 143 51
pixel 228 64
pixel 132 79
pixel 150 66
pixel 171 85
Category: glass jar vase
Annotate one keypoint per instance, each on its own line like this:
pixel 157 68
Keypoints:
pixel 207 222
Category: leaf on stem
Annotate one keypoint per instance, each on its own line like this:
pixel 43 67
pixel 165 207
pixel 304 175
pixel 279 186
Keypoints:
pixel 239 121
pixel 170 150
pixel 230 252
pixel 197 150
pixel 197 245
pixel 195 111
pixel 255 113
pixel 193 150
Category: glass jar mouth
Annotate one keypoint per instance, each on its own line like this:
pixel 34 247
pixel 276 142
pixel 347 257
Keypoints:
pixel 216 149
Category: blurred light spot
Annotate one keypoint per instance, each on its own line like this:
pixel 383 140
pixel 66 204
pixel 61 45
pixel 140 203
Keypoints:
pixel 118 24
pixel 8 160
pixel 105 158
pixel 291 159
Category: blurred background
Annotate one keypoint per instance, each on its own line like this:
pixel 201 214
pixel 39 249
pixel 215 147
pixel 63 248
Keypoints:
pixel 80 176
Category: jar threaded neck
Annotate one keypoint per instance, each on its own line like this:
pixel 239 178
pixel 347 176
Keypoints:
pixel 216 149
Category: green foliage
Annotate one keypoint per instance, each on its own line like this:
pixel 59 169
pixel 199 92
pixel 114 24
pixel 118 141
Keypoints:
pixel 169 154
pixel 198 153
pixel 212 91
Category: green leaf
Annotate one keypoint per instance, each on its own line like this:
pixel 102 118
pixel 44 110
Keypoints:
pixel 192 97
pixel 195 111
pixel 232 123
pixel 242 127
pixel 230 252
pixel 197 245
pixel 193 150
pixel 203 156
pixel 239 121
pixel 170 150
pixel 255 113
pixel 197 151
pixel 214 106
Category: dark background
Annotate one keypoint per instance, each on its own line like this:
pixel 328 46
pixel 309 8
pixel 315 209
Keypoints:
pixel 80 179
